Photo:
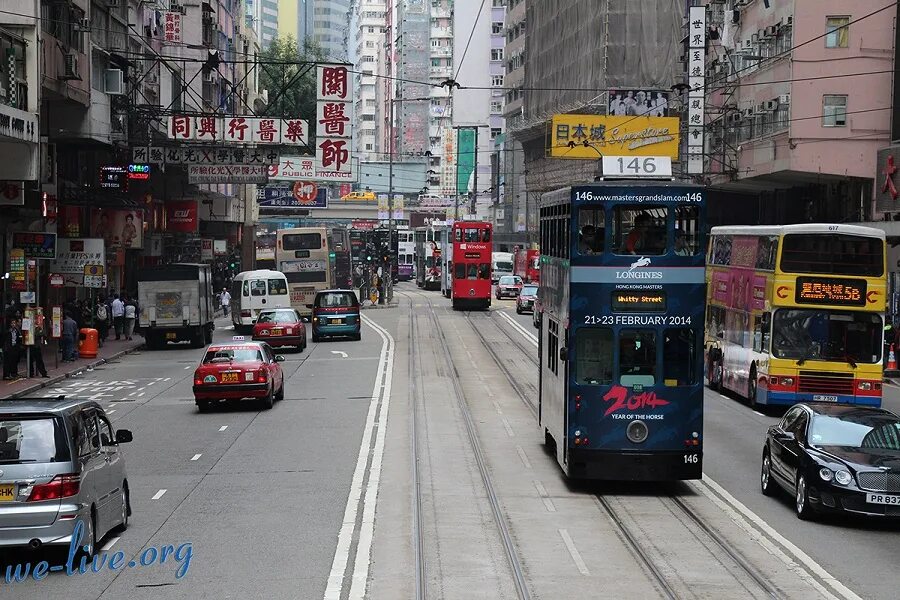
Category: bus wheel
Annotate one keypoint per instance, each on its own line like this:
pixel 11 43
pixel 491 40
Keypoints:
pixel 751 388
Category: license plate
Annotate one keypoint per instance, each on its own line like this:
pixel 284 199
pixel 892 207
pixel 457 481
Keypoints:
pixel 821 398
pixel 171 336
pixel 276 332
pixel 229 377
pixel 336 321
pixel 7 492
pixel 882 499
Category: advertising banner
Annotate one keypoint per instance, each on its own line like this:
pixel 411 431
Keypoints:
pixel 206 249
pixel 73 255
pixel 465 161
pixel 181 216
pixel 307 168
pixel 118 228
pixel 228 173
pixel 383 206
pixel 220 247
pixel 17 269
pixel 302 194
pixel 334 109
pixel 613 135
pixel 35 244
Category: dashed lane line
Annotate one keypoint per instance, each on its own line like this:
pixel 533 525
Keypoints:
pixel 158 494
pixel 223 427
pixel 196 457
pixel 573 552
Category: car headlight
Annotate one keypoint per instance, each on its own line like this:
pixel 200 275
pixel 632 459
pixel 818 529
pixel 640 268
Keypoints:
pixel 843 477
pixel 825 473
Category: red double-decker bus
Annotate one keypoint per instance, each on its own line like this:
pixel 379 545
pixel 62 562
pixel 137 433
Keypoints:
pixel 472 246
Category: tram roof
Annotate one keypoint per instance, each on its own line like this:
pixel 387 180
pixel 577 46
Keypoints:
pixel 564 195
pixel 798 228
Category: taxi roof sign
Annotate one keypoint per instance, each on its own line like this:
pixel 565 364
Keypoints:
pixel 237 338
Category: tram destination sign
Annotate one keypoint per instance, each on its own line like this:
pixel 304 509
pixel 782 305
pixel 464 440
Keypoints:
pixel 829 290
pixel 638 301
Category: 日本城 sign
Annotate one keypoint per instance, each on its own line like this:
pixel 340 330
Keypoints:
pixel 238 130
pixel 307 168
pixel 227 174
pixel 592 136
pixel 334 109
pixel 204 155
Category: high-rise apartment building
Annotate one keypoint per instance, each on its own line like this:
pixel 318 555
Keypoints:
pixel 367 39
pixel 515 198
pixel 330 25
pixel 442 172
pixel 263 14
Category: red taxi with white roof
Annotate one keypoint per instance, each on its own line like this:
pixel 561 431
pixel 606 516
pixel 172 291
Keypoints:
pixel 237 371
pixel 280 327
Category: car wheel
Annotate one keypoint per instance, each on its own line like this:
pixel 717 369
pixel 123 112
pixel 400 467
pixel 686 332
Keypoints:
pixel 518 311
pixel 126 511
pixel 269 401
pixel 280 394
pixel 765 475
pixel 801 500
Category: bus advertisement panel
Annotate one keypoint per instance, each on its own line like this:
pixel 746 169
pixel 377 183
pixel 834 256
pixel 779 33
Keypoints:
pixel 303 255
pixel 472 242
pixel 796 313
pixel 623 295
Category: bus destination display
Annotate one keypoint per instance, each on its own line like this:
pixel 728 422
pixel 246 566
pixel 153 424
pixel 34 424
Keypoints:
pixel 826 290
pixel 638 301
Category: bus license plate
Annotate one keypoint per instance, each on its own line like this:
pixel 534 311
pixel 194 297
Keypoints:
pixel 821 398
pixel 229 377
pixel 882 499
pixel 7 492
pixel 337 321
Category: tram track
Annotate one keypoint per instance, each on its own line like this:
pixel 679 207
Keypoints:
pixel 416 398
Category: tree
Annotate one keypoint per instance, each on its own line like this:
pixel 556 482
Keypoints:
pixel 292 87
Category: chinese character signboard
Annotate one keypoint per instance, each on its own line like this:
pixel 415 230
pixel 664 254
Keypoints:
pixel 172 27
pixel 181 216
pixel 227 174
pixel 383 206
pixel 697 88
pixel 35 244
pixel 398 206
pixel 238 130
pixel 613 135
pixel 206 249
pixel 73 255
pixel 308 168
pixel 210 155
pixel 302 194
pixel 334 95
pixel 114 178
pixel 17 269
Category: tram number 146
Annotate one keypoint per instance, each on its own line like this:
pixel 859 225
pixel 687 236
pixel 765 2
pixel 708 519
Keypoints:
pixel 691 459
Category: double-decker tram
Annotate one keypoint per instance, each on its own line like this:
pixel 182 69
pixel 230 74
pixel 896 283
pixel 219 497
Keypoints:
pixel 795 313
pixel 406 251
pixel 621 343
pixel 429 241
pixel 472 242
pixel 303 255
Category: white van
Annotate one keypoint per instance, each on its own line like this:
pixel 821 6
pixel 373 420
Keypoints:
pixel 252 291
pixel 501 264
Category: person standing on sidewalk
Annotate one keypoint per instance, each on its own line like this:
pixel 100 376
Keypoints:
pixel 37 353
pixel 69 333
pixel 118 315
pixel 101 320
pixel 11 342
pixel 130 314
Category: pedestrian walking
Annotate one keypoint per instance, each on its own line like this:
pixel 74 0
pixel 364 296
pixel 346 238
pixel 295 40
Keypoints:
pixel 12 341
pixel 225 299
pixel 69 333
pixel 118 315
pixel 101 320
pixel 37 352
pixel 130 315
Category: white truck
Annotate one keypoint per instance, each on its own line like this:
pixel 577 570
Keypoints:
pixel 176 304
pixel 502 264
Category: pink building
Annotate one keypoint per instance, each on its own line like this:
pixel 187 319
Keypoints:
pixel 798 105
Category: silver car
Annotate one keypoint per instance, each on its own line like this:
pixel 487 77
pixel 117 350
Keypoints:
pixel 60 464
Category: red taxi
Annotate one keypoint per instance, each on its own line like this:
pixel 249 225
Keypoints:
pixel 280 327
pixel 237 371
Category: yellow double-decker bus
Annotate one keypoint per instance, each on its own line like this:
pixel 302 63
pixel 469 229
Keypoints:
pixel 795 313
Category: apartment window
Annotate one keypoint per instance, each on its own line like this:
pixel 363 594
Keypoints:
pixel 370 44
pixel 498 3
pixel 371 30
pixel 497 27
pixel 497 54
pixel 495 131
pixel 837 32
pixel 496 106
pixel 834 113
pixel 368 146
pixel 497 80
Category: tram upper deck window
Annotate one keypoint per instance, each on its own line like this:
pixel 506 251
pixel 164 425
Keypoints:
pixel 834 254
pixel 640 230
pixel 637 357
pixel 594 356
pixel 687 230
pixel 591 230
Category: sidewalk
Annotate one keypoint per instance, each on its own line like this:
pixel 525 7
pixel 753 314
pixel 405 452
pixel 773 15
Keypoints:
pixel 111 350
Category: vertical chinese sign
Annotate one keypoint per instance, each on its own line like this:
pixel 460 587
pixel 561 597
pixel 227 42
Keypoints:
pixel 697 89
pixel 172 27
pixel 334 95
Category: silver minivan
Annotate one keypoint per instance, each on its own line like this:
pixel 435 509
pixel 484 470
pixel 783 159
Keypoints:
pixel 60 463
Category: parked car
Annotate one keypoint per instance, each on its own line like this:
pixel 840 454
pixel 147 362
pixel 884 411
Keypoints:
pixel 508 286
pixel 336 314
pixel 60 464
pixel 526 299
pixel 280 327
pixel 835 458
pixel 239 371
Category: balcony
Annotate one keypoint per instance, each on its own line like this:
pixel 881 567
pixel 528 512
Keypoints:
pixel 444 71
pixel 441 51
pixel 441 32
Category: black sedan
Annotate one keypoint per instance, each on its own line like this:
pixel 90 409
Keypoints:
pixel 835 458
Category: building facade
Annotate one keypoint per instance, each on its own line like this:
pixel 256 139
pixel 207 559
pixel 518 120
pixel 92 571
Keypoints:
pixel 368 28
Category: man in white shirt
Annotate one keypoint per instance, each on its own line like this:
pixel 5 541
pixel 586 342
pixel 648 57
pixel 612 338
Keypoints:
pixel 118 314
pixel 226 302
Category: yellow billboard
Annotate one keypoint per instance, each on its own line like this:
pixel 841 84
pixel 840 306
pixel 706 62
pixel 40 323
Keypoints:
pixel 593 136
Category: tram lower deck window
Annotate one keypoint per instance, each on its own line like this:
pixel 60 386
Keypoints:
pixel 637 357
pixel 679 357
pixel 594 356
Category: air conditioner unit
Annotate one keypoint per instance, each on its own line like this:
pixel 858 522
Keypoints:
pixel 70 67
pixel 734 118
pixel 209 76
pixel 719 70
pixel 151 78
pixel 747 112
pixel 784 99
pixel 771 105
pixel 770 31
pixel 760 108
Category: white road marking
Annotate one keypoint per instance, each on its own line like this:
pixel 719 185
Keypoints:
pixel 111 411
pixel 196 457
pixel 758 413
pixel 770 539
pixel 523 456
pixel 506 426
pixel 343 354
pixel 141 394
pixel 111 404
pixel 167 379
pixel 151 383
pixel 497 407
pixel 187 367
pixel 518 327
pixel 545 497
pixel 223 427
pixel 360 571
pixel 573 552
pixel 109 544
pixel 158 495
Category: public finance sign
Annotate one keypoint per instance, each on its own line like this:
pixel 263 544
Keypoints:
pixel 227 173
pixel 73 255
pixel 614 135
pixel 334 110
pixel 307 168
pixel 303 194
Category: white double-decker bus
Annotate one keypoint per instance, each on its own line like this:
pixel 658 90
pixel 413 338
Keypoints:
pixel 304 256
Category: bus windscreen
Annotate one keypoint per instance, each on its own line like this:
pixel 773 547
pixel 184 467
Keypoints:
pixel 301 241
pixel 833 254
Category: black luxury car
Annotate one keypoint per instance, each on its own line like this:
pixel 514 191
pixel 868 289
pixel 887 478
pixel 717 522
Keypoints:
pixel 835 458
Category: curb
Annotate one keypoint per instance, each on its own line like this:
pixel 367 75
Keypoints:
pixel 58 378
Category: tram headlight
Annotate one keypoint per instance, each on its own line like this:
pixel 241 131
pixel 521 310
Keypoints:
pixel 637 431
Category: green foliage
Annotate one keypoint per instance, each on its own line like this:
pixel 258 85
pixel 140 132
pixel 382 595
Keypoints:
pixel 290 93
